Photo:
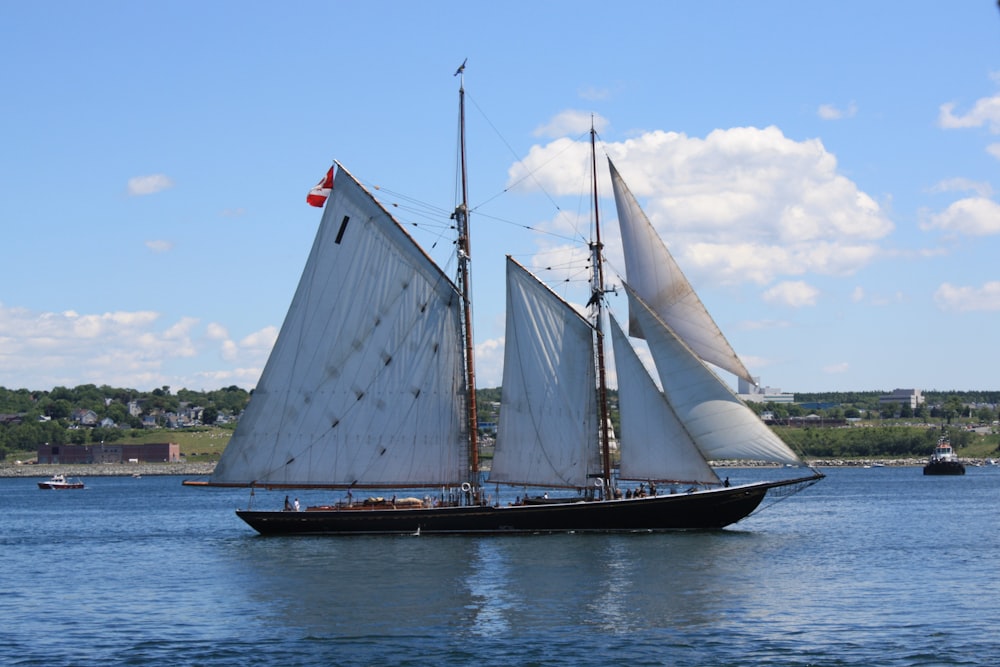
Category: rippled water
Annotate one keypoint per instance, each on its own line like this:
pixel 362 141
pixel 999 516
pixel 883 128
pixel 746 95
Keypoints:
pixel 878 566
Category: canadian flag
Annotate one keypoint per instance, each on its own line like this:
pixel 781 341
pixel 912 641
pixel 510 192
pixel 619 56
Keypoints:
pixel 317 196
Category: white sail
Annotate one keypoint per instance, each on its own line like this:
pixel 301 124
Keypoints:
pixel 365 383
pixel 719 423
pixel 547 431
pixel 656 277
pixel 654 444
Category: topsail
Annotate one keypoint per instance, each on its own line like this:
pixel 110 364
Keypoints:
pixel 656 277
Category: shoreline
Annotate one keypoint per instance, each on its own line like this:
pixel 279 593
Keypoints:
pixel 46 470
pixel 203 469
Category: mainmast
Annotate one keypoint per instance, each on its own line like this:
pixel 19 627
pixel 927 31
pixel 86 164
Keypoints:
pixel 461 216
pixel 597 302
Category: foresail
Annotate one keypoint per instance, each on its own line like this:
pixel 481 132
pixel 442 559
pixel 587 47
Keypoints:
pixel 653 443
pixel 656 277
pixel 720 425
pixel 547 430
pixel 365 383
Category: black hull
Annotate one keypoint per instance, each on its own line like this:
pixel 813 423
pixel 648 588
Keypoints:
pixel 944 468
pixel 703 510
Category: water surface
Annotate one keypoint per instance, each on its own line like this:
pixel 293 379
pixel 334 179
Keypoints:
pixel 878 566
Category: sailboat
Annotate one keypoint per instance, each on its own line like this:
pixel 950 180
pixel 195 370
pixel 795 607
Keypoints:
pixel 370 386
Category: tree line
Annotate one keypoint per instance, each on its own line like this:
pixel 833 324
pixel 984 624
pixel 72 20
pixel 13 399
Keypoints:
pixel 29 418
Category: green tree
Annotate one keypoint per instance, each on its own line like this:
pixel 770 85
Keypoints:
pixel 209 415
pixel 102 434
pixel 952 408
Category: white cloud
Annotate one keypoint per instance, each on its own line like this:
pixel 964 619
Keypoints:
pixel 985 112
pixel 981 188
pixel 260 341
pixel 976 216
pixel 160 246
pixel 253 348
pixel 489 362
pixel 243 377
pixel 216 331
pixel 837 369
pixel 830 112
pixel 41 350
pixel 149 185
pixel 792 293
pixel 741 204
pixel 967 299
pixel 571 122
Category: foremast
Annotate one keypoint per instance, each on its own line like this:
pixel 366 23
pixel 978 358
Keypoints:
pixel 461 216
pixel 597 304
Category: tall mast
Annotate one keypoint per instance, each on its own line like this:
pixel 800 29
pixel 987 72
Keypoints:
pixel 597 301
pixel 461 216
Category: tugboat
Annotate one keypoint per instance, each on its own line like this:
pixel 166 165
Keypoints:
pixel 943 461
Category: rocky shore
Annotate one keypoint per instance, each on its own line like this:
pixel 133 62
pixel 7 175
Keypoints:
pixel 204 469
pixel 106 469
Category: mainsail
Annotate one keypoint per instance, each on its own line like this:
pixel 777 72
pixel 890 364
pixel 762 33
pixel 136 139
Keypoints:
pixel 720 425
pixel 548 426
pixel 656 277
pixel 365 385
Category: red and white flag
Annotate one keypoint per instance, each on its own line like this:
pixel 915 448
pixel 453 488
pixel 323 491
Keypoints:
pixel 317 196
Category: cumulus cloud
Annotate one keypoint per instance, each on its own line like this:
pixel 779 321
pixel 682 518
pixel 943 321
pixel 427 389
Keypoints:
pixel 792 293
pixel 489 362
pixel 46 349
pixel 216 331
pixel 253 348
pixel 967 299
pixel 831 112
pixel 41 350
pixel 985 112
pixel 975 216
pixel 148 185
pixel 740 204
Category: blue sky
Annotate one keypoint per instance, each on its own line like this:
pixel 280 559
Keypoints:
pixel 825 173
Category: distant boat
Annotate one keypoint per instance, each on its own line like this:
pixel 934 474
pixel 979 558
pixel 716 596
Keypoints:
pixel 60 482
pixel 944 461
pixel 370 385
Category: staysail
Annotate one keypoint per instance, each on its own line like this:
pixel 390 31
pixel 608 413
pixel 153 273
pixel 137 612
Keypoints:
pixel 659 281
pixel 717 421
pixel 654 445
pixel 547 431
pixel 365 385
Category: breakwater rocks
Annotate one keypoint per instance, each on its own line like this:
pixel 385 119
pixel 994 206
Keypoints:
pixel 106 469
